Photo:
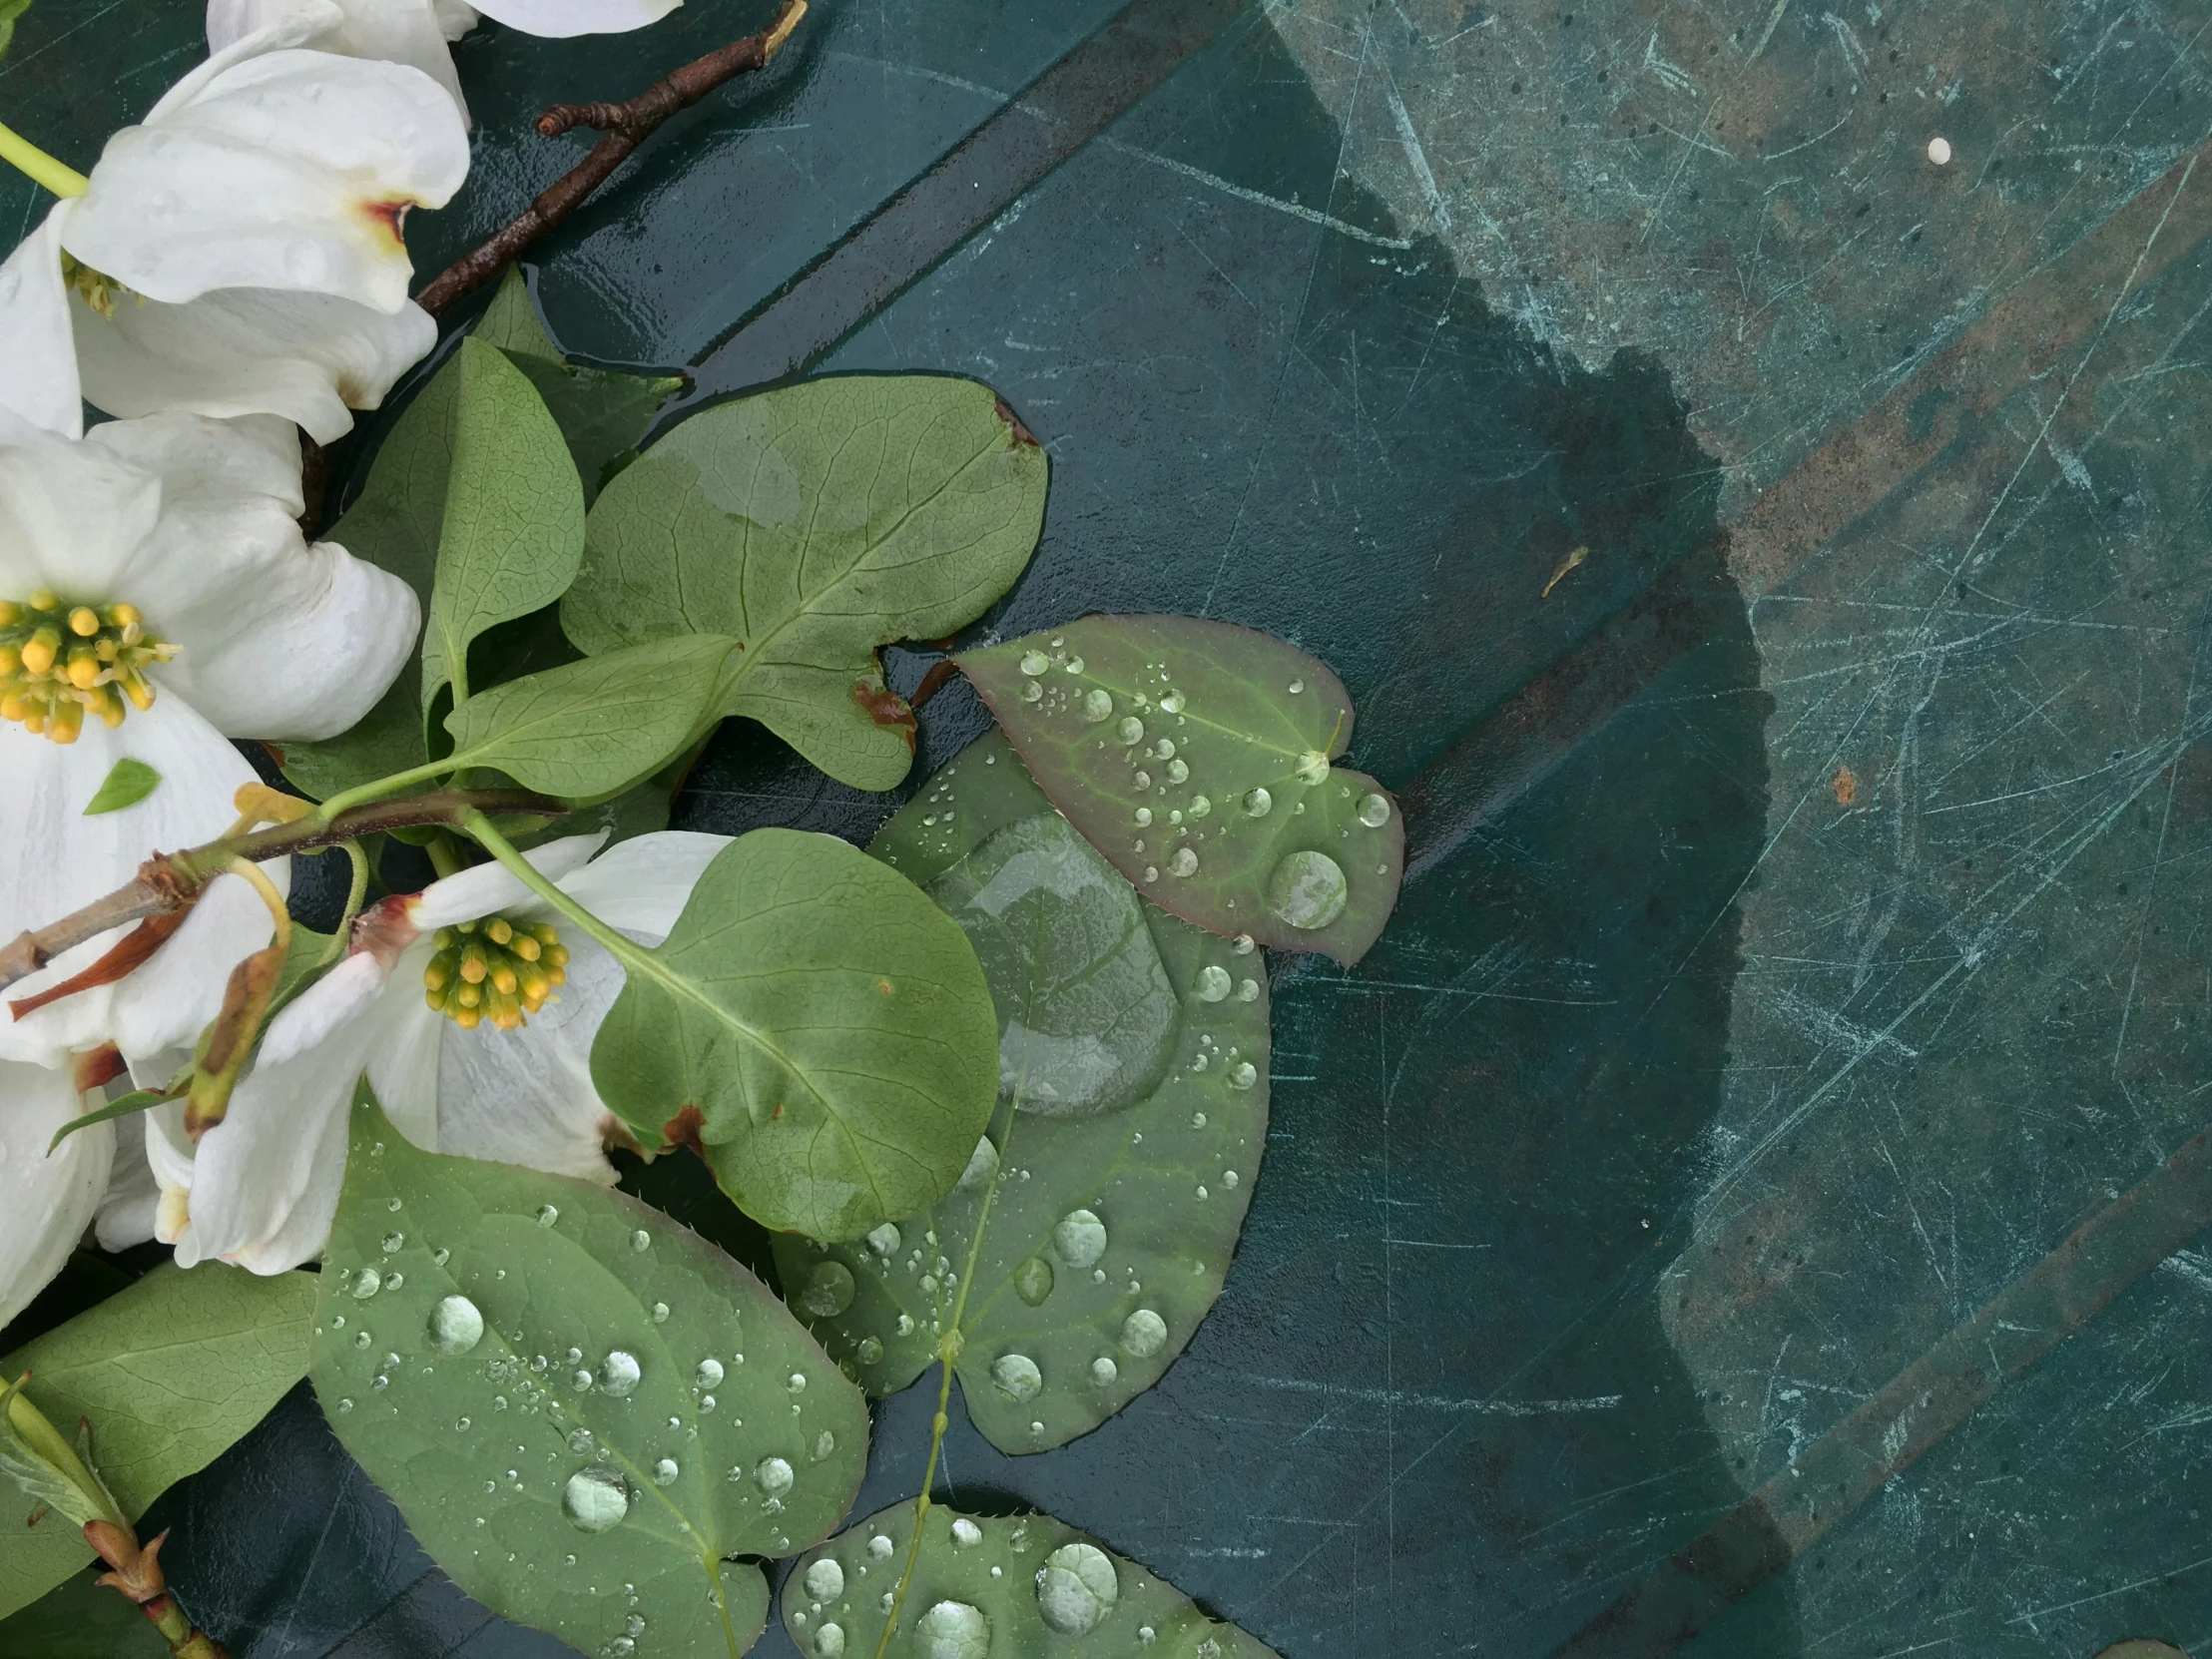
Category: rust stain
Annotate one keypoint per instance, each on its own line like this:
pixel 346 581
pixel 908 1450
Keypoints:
pixel 97 1067
pixel 934 681
pixel 885 707
pixel 682 1129
pixel 121 957
pixel 1022 435
pixel 387 216
pixel 884 986
pixel 1845 786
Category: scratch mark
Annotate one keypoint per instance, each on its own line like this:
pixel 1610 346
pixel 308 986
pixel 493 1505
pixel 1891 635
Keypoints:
pixel 1414 155
pixel 1295 210
pixel 1774 21
pixel 1436 1403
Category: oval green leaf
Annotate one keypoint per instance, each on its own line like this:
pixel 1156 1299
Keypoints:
pixel 817 1027
pixel 168 1372
pixel 1009 1584
pixel 1196 757
pixel 127 783
pixel 1104 1239
pixel 815 524
pixel 582 1410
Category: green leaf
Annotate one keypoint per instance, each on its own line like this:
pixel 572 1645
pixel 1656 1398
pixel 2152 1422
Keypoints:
pixel 600 413
pixel 511 533
pixel 1113 1222
pixel 818 1026
pixel 387 740
pixel 124 1106
pixel 1011 1584
pixel 460 1302
pixel 10 10
pixel 127 783
pixel 591 729
pixel 1194 756
pixel 83 1619
pixel 817 524
pixel 170 1373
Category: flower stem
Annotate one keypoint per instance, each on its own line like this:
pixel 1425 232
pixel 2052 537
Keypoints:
pixel 42 169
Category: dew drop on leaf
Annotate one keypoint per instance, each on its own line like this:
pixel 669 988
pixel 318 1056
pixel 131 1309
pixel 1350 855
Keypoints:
pixel 1131 730
pixel 1016 1376
pixel 884 1239
pixel 965 1534
pixel 641 1240
pixel 1243 1075
pixel 1248 991
pixel 1076 1589
pixel 1033 1281
pixel 367 1283
pixel 619 1372
pixel 1075 664
pixel 1031 692
pixel 665 1472
pixel 1144 1334
pixel 1034 662
pixel 1212 983
pixel 709 1374
pixel 1258 802
pixel 829 1641
pixel 1375 810
pixel 880 1548
pixel 547 1215
pixel 952 1631
pixel 870 1350
pixel 595 1501
pixel 828 1290
pixel 1079 1238
pixel 1097 705
pixel 1306 890
pixel 1185 863
pixel 772 1475
pixel 825 1443
pixel 393 1241
pixel 1104 1371
pixel 660 1313
pixel 457 1325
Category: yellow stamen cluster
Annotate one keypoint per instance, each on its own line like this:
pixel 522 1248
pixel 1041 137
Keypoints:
pixel 61 662
pixel 496 970
pixel 98 288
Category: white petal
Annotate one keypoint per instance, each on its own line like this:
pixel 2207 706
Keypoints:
pixel 54 859
pixel 167 1001
pixel 522 1097
pixel 46 1201
pixel 296 23
pixel 455 17
pixel 641 885
pixel 284 171
pixel 557 18
pixel 403 1060
pixel 38 369
pixel 310 358
pixel 71 515
pixel 339 997
pixel 488 890
pixel 202 460
pixel 128 1208
pixel 398 31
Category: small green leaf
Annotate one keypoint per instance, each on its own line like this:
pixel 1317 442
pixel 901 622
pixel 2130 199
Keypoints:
pixel 461 1304
pixel 170 1373
pixel 1196 757
pixel 1098 1264
pixel 511 323
pixel 127 783
pixel 818 1026
pixel 511 533
pixel 995 1584
pixel 590 730
pixel 10 10
pixel 817 524
pixel 124 1106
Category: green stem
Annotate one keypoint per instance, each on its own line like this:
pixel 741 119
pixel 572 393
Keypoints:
pixel 445 858
pixel 625 950
pixel 42 169
pixel 382 787
pixel 358 895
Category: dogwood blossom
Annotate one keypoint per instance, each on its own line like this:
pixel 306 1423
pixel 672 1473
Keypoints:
pixel 238 251
pixel 470 1010
pixel 45 1202
pixel 157 598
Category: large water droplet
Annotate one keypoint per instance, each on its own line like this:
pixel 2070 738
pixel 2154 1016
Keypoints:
pixel 1178 773
pixel 1076 1589
pixel 548 1214
pixel 870 1350
pixel 660 1313
pixel 393 1242
pixel 580 1440
pixel 1164 750
pixel 1199 805
pixel 1131 730
pixel 1097 705
pixel 884 1239
pixel 1031 692
pixel 1312 766
pixel 1144 1334
pixel 1034 662
pixel 367 1283
pixel 982 1166
pixel 1248 991
pixel 1172 704
pixel 595 1501
pixel 1375 810
pixel 772 1475
pixel 965 1534
pixel 952 1631
pixel 825 1579
pixel 1017 1376
pixel 1104 1371
pixel 1243 1075
pixel 1079 1238
pixel 619 1372
pixel 1075 664
pixel 825 1443
pixel 641 1240
pixel 665 1472
pixel 829 1291
pixel 1185 863
pixel 1143 815
pixel 1212 983
pixel 1258 802
pixel 457 1325
pixel 1033 1281
pixel 709 1374
pixel 1306 890
pixel 880 1548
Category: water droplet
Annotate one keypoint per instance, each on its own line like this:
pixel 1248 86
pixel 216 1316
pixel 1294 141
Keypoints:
pixel 1076 1587
pixel 641 1240
pixel 1212 983
pixel 1375 810
pixel 1172 704
pixel 825 1443
pixel 1131 730
pixel 361 1339
pixel 1185 862
pixel 1258 802
pixel 825 1579
pixel 440 1256
pixel 952 1631
pixel 796 1382
pixel 1141 782
pixel 709 1374
pixel 619 1372
pixel 1017 1376
pixel 829 1290
pixel 1104 1371
pixel 1033 1281
pixel 665 1472
pixel 1198 1120
pixel 884 1239
pixel 1313 767
pixel 1144 1334
pixel 1229 1179
pixel 1152 872
pixel 1031 692
pixel 498 1402
pixel 1248 991
pixel 870 1350
pixel 1097 705
pixel 1203 1193
pixel 1075 664
pixel 772 1475
pixel 1144 821
pixel 1079 1238
pixel 705 1402
pixel 1306 890
pixel 889 1599
pixel 547 1215
pixel 634 1622
pixel 394 1205
pixel 1297 686
pixel 660 1313
pixel 580 1380
pixel 393 1241
pixel 965 1534
pixel 1199 805
pixel 345 1405
pixel 1178 773
pixel 880 1548
pixel 1243 1075
pixel 580 1442
pixel 983 1164
pixel 1164 750
pixel 906 1325
pixel 595 1501
pixel 367 1283
pixel 392 1280
pixel 457 1325
pixel 1034 662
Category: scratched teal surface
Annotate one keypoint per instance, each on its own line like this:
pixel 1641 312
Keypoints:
pixel 1754 1039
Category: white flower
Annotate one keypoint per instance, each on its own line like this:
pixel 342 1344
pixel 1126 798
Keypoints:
pixel 570 17
pixel 263 1185
pixel 159 599
pixel 238 251
pixel 411 32
pixel 46 1202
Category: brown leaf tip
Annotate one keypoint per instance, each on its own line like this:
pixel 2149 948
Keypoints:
pixel 885 707
pixel 1022 435
pixel 684 1128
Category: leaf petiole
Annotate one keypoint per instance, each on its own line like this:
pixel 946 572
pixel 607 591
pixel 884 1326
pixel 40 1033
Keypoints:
pixel 42 169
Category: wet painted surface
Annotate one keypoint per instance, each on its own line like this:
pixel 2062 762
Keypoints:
pixel 1805 930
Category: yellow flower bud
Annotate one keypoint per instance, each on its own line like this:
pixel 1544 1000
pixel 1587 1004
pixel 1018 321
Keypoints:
pixel 84 622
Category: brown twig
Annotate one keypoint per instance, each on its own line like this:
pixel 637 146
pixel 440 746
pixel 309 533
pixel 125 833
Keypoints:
pixel 172 880
pixel 627 126
pixel 136 1572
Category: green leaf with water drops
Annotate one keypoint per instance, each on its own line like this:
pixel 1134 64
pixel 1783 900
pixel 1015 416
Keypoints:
pixel 991 1585
pixel 587 730
pixel 817 1027
pixel 1196 756
pixel 1080 1260
pixel 582 1410
pixel 815 524
pixel 127 783
pixel 170 1373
